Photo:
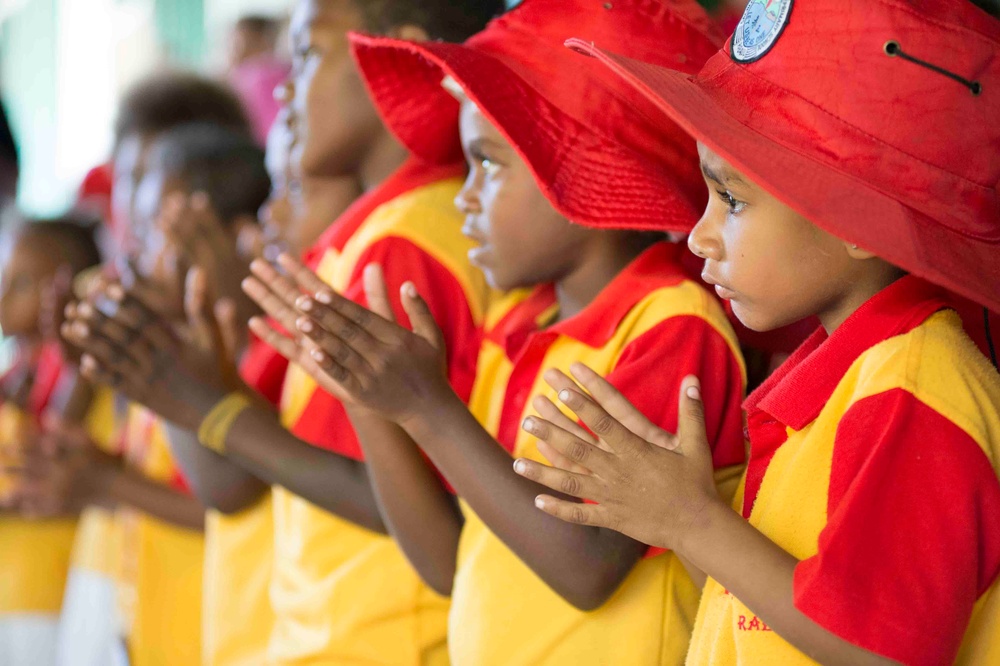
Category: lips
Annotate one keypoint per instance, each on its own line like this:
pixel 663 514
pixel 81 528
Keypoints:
pixel 722 291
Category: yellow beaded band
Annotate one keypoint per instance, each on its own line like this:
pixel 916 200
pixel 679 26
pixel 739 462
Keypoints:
pixel 215 427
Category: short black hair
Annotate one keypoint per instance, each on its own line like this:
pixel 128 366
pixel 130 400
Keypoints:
pixel 8 146
pixel 991 7
pixel 166 100
pixel 73 237
pixel 450 20
pixel 226 165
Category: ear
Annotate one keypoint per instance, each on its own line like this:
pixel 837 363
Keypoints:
pixel 409 32
pixel 855 252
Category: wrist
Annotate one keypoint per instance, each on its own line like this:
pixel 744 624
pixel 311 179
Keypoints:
pixel 434 416
pixel 698 535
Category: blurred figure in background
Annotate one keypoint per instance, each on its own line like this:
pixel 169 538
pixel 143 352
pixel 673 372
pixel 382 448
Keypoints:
pixel 92 624
pixel 256 68
pixel 34 554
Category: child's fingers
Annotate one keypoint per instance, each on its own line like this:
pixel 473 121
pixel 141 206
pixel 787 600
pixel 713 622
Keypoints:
pixel 572 512
pixel 306 279
pixel 274 339
pixel 272 305
pixel 602 424
pixel 691 437
pixel 229 329
pixel 347 382
pixel 582 486
pixel 619 408
pixel 376 293
pixel 421 317
pixel 557 459
pixel 548 411
pixel 336 323
pixel 283 287
pixel 574 449
pixel 332 346
pixel 195 300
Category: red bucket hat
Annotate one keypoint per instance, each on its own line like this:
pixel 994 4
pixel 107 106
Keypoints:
pixel 592 142
pixel 878 121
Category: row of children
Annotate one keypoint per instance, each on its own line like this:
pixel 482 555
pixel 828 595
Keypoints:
pixel 384 499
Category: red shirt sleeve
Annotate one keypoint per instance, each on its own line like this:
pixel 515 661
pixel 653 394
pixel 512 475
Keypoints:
pixel 912 538
pixel 650 370
pixel 403 261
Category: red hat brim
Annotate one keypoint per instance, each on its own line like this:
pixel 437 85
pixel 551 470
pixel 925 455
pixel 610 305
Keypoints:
pixel 838 203
pixel 591 180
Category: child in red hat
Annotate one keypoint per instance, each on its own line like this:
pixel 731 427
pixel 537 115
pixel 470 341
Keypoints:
pixel 850 150
pixel 569 192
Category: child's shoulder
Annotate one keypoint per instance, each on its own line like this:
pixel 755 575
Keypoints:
pixel 940 366
pixel 423 209
pixel 673 299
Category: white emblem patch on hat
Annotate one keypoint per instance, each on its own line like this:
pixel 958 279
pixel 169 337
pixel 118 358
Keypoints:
pixel 759 29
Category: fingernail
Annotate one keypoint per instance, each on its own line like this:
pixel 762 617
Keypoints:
pixel 693 393
pixel 317 355
pixel 519 466
pixel 410 289
pixel 324 297
pixel 304 325
pixel 116 292
pixel 305 304
pixel 565 396
pixel 539 502
pixel 528 424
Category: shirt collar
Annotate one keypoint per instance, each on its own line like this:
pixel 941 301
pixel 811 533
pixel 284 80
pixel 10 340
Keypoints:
pixel 797 391
pixel 658 266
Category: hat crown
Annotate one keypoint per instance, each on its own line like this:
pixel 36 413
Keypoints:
pixel 530 41
pixel 904 94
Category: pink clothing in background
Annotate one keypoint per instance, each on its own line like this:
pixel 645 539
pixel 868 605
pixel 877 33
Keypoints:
pixel 254 82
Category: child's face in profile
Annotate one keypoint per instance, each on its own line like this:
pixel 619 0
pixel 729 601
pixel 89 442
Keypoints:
pixel 522 240
pixel 334 120
pixel 159 257
pixel 27 265
pixel 772 264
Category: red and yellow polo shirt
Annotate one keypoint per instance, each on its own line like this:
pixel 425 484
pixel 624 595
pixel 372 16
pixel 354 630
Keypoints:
pixel 236 614
pixel 342 594
pixel 160 582
pixel 97 546
pixel 34 554
pixel 648 329
pixel 875 455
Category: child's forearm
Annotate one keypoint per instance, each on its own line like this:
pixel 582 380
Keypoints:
pixel 127 486
pixel 584 565
pixel 759 573
pixel 258 443
pixel 215 480
pixel 420 513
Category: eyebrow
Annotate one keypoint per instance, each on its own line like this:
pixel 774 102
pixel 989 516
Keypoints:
pixel 727 178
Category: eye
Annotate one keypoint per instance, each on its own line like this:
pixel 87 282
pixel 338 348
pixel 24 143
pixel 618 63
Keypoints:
pixel 489 166
pixel 735 205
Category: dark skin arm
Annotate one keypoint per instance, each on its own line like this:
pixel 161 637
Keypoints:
pixel 65 475
pixel 131 349
pixel 399 375
pixel 660 489
pixel 419 512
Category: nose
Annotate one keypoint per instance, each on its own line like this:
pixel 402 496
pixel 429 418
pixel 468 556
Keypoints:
pixel 467 200
pixel 704 240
